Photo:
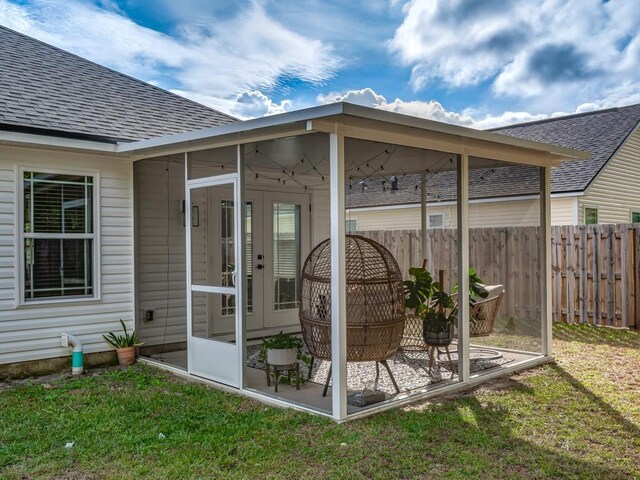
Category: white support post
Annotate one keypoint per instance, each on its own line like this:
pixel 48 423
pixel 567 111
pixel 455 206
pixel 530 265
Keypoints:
pixel 464 371
pixel 545 254
pixel 338 278
pixel 241 279
pixel 423 213
pixel 187 240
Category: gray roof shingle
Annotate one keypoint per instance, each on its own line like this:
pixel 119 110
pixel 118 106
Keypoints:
pixel 43 87
pixel 601 132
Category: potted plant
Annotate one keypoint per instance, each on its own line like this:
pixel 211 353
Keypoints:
pixel 433 305
pixel 125 345
pixel 283 350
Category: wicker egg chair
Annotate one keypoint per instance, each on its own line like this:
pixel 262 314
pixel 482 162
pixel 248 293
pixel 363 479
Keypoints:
pixel 375 303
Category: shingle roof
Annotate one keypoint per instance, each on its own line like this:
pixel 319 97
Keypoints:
pixel 600 132
pixel 45 88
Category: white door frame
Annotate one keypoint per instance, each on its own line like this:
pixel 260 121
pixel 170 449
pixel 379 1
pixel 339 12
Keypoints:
pixel 207 357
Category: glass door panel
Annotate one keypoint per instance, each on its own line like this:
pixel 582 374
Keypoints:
pixel 286 237
pixel 286 255
pixel 221 213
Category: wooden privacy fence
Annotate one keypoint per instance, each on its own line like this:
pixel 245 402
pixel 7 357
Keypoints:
pixel 595 268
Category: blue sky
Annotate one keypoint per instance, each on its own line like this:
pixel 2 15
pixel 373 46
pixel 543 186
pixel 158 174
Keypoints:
pixel 476 63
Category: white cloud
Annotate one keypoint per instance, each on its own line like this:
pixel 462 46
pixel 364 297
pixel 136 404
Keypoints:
pixel 558 52
pixel 434 110
pixel 245 105
pixel 219 60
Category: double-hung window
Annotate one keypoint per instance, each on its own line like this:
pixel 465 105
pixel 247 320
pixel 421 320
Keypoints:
pixel 58 236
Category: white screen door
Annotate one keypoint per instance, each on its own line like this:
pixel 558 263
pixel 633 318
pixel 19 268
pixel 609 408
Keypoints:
pixel 213 295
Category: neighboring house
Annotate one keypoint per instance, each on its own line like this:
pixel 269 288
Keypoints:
pixel 605 189
pixel 60 119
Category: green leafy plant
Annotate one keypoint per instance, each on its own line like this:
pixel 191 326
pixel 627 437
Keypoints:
pixel 123 341
pixel 476 287
pixel 428 301
pixel 284 341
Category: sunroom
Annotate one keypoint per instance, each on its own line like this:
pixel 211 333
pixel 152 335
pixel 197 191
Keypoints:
pixel 242 232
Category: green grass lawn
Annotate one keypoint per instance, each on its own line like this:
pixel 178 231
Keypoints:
pixel 578 418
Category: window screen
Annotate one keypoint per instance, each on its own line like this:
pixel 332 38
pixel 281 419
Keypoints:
pixel 590 216
pixel 436 221
pixel 58 236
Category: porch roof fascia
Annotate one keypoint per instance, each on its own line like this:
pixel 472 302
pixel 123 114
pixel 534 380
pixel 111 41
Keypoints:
pixel 362 122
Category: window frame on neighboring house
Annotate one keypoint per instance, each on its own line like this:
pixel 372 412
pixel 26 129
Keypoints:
pixel 584 213
pixel 634 212
pixel 21 236
pixel 430 224
pixel 351 221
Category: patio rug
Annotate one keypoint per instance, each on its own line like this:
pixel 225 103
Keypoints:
pixel 410 370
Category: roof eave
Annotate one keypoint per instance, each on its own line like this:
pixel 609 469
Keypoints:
pixel 57 142
pixel 248 130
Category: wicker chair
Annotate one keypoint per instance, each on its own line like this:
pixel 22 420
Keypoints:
pixel 375 303
pixel 485 311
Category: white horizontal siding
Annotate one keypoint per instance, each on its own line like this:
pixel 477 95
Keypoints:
pixel 490 214
pixel 616 190
pixel 32 332
pixel 564 211
pixel 320 216
pixel 160 250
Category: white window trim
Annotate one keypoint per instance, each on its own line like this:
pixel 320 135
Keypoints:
pixel 584 214
pixel 429 215
pixel 19 236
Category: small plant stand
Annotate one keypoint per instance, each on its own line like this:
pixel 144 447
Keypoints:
pixel 432 354
pixel 295 367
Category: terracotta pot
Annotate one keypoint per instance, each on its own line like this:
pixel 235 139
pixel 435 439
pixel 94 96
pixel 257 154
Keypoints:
pixel 282 356
pixel 126 356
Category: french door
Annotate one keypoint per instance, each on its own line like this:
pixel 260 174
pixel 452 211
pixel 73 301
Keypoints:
pixel 285 243
pixel 277 240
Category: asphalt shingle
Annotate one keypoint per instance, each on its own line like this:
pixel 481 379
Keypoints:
pixel 43 87
pixel 600 132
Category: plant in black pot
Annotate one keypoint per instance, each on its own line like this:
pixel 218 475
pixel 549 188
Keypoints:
pixel 433 305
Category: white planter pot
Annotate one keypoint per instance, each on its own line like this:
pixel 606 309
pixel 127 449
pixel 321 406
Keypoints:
pixel 282 356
